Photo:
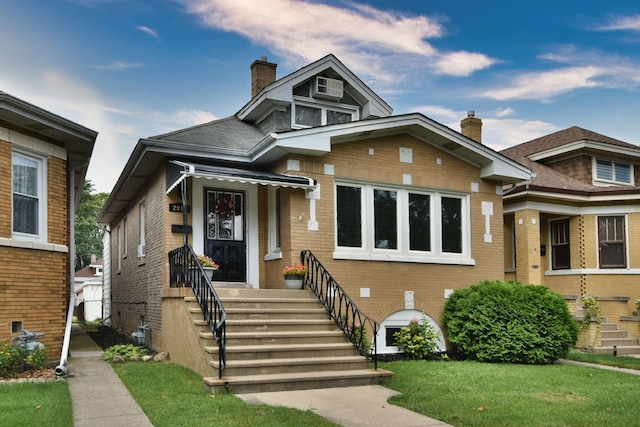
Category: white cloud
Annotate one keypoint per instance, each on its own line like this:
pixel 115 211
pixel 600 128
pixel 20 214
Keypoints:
pixel 371 39
pixel 462 63
pixel 119 65
pixel 546 84
pixel 148 31
pixel 622 23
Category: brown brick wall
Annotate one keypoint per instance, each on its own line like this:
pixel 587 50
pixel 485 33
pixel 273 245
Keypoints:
pixel 388 281
pixel 137 287
pixel 5 189
pixel 35 285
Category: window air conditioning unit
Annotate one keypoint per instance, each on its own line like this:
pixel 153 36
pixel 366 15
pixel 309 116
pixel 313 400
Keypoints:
pixel 141 250
pixel 327 88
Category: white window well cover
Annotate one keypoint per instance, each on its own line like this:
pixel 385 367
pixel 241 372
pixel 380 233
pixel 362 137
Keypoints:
pixel 177 171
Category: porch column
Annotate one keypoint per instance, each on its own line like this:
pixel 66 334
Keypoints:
pixel 528 262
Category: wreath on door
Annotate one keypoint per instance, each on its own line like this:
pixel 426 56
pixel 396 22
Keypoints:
pixel 224 208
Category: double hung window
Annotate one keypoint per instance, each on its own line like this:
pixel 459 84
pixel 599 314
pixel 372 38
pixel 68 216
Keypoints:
pixel 401 223
pixel 612 241
pixel 560 249
pixel 29 198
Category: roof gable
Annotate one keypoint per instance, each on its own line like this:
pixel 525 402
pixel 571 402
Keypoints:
pixel 280 92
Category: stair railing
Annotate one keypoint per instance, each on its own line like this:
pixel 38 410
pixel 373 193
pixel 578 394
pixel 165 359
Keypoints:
pixel 185 270
pixel 341 308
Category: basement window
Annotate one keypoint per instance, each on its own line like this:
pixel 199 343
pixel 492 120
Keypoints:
pixel 16 327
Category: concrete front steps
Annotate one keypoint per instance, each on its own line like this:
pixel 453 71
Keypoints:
pixel 612 336
pixel 281 340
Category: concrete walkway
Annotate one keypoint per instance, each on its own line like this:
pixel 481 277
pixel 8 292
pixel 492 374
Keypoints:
pixel 362 406
pixel 99 397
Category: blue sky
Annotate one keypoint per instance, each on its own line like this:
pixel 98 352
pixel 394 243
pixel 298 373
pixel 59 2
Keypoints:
pixel 136 68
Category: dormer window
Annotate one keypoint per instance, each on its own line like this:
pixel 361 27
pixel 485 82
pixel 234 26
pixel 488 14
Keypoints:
pixel 612 171
pixel 307 114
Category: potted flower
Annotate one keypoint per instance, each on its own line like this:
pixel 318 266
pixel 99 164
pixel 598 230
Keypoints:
pixel 637 312
pixel 294 275
pixel 208 265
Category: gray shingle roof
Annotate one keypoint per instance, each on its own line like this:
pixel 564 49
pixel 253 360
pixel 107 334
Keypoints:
pixel 229 132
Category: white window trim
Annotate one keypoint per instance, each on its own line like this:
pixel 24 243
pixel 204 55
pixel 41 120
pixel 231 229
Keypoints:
pixel 401 319
pixel 367 252
pixel 626 242
pixel 307 102
pixel 142 217
pixel 119 247
pixel 607 182
pixel 274 251
pixel 42 235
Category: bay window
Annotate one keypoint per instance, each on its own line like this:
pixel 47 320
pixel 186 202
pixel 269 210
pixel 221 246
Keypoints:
pixel 373 222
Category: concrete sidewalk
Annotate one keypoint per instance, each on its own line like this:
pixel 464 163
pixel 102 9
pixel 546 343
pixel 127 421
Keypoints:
pixel 99 397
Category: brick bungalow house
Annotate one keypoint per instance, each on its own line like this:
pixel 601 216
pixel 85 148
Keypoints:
pixel 400 210
pixel 571 226
pixel 44 159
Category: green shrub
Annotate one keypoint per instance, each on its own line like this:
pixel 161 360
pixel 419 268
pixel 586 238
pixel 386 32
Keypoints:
pixel 126 351
pixel 495 321
pixel 419 340
pixel 14 357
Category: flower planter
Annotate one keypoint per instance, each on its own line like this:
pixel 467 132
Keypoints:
pixel 209 271
pixel 293 281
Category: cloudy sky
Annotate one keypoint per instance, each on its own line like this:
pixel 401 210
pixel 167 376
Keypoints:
pixel 136 68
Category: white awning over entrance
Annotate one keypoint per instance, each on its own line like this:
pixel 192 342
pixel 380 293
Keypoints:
pixel 177 171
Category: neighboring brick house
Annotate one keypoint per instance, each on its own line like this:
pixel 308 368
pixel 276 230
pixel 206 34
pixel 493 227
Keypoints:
pixel 43 162
pixel 571 226
pixel 401 210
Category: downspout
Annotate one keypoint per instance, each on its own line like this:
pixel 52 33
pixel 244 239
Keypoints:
pixel 61 369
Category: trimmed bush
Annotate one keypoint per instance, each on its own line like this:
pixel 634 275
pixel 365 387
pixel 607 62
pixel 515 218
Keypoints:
pixel 500 322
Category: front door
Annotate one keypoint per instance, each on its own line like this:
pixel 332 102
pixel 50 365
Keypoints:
pixel 225 233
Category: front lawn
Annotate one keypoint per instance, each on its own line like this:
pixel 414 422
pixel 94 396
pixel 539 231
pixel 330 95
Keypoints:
pixel 174 396
pixel 482 394
pixel 36 404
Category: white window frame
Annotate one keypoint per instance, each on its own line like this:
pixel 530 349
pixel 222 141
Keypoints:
pixel 368 251
pixel 125 232
pixel 119 246
pixel 274 250
pixel 142 241
pixel 305 102
pixel 604 181
pixel 41 161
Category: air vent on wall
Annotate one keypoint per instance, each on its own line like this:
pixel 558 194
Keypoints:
pixel 327 88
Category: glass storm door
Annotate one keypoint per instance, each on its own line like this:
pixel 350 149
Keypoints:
pixel 225 234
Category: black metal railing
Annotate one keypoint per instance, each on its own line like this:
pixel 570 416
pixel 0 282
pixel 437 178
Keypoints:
pixel 358 327
pixel 185 270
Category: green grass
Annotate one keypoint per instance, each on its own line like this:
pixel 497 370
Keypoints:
pixel 36 404
pixel 479 394
pixel 174 396
pixel 605 359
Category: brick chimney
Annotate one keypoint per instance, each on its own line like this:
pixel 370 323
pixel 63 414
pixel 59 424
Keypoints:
pixel 472 126
pixel 263 73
